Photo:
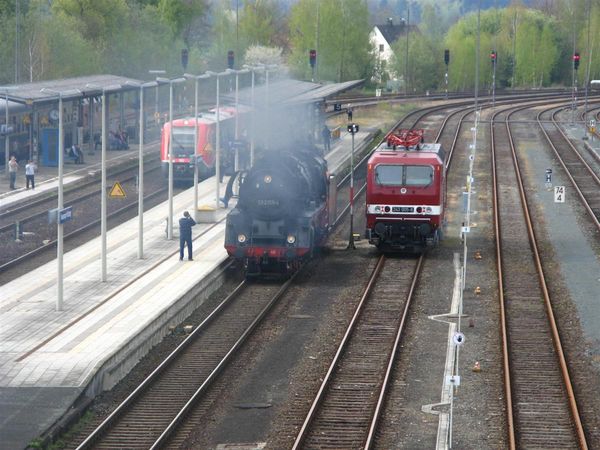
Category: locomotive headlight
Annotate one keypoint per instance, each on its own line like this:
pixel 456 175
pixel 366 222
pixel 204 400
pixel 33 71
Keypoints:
pixel 241 238
pixel 428 209
pixel 378 209
pixel 291 239
pixel 268 179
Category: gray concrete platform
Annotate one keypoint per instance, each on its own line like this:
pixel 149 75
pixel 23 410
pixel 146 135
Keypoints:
pixel 50 359
pixel 46 178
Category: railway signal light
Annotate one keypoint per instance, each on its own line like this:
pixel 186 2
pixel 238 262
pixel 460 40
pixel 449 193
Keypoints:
pixel 576 61
pixel 352 128
pixel 493 56
pixel 312 57
pixel 230 59
pixel 184 58
pixel 447 56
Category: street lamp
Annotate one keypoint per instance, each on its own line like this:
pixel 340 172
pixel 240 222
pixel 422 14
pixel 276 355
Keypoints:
pixel 104 89
pixel 196 78
pixel 141 166
pixel 352 129
pixel 6 138
pixel 156 72
pixel 237 131
pixel 170 81
pixel 218 138
pixel 270 67
pixel 252 123
pixel 60 206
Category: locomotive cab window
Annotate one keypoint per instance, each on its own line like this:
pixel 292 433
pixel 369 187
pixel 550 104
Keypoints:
pixel 418 175
pixel 396 175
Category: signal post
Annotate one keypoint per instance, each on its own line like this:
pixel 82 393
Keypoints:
pixel 352 129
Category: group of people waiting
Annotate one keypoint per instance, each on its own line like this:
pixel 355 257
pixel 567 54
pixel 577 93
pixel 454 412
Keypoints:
pixel 118 140
pixel 30 169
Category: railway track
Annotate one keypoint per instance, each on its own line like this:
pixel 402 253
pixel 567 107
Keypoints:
pixel 44 201
pixel 149 417
pixel 583 177
pixel 184 377
pixel 178 436
pixel 541 407
pixel 39 236
pixel 345 411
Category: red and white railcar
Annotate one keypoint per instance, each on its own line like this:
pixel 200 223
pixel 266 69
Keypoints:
pixel 406 193
pixel 184 154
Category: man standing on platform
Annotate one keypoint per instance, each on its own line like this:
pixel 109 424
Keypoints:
pixel 13 167
pixel 30 174
pixel 185 235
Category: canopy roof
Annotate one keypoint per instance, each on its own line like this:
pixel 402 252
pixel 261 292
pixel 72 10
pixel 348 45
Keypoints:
pixel 47 91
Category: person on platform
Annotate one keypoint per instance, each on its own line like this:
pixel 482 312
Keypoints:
pixel 229 189
pixel 326 139
pixel 185 235
pixel 30 169
pixel 13 168
pixel 77 154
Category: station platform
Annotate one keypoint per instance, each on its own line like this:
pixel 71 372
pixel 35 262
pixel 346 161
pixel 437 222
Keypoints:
pixel 46 177
pixel 50 360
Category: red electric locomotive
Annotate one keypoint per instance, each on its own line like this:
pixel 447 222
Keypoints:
pixel 406 193
pixel 205 152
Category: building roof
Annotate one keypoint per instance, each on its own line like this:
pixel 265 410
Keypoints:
pixel 392 32
pixel 47 91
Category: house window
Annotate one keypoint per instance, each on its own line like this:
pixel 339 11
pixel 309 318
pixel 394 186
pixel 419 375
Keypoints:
pixel 380 48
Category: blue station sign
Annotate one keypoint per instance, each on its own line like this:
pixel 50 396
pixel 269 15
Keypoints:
pixel 65 214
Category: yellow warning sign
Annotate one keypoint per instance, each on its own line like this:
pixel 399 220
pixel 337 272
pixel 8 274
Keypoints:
pixel 117 191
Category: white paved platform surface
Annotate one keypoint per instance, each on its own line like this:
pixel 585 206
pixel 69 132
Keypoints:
pixel 41 347
pixel 49 358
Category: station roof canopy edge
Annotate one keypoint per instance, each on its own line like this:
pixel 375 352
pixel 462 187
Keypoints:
pixel 293 92
pixel 47 91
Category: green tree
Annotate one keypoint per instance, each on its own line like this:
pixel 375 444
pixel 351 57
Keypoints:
pixel 425 62
pixel 527 42
pixel 58 50
pixel 180 16
pixel 258 23
pixel 339 31
pixel 94 20
pixel 223 36
pixel 7 49
pixel 146 43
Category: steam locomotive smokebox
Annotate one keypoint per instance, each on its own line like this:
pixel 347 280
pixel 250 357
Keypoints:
pixel 206 214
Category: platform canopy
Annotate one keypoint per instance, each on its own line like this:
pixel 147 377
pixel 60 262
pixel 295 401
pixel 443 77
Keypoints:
pixel 48 91
pixel 292 92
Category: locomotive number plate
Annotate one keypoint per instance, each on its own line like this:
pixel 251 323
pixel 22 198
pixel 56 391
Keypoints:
pixel 267 202
pixel 403 209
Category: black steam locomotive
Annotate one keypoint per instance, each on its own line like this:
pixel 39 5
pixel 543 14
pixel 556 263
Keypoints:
pixel 281 215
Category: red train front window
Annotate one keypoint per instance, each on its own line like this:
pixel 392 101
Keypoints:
pixel 397 175
pixel 418 175
pixel 183 142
